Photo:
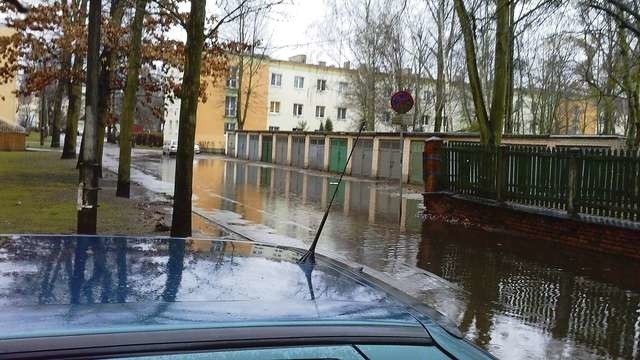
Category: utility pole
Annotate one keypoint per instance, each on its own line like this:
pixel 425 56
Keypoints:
pixel 401 103
pixel 88 187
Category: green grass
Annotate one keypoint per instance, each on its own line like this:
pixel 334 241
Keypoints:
pixel 38 193
pixel 33 141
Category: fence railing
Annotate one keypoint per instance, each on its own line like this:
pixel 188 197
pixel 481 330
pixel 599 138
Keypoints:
pixel 601 182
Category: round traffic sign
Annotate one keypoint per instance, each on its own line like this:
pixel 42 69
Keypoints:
pixel 402 102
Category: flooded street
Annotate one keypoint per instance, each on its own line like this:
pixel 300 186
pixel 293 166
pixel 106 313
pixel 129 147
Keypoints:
pixel 517 298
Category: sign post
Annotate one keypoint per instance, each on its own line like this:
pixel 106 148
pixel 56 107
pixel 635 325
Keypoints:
pixel 401 102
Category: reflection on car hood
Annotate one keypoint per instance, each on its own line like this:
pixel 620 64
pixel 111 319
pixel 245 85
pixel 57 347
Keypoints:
pixel 70 284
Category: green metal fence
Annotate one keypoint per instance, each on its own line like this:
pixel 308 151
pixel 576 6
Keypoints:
pixel 601 182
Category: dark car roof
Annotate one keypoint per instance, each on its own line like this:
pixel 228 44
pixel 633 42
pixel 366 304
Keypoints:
pixel 57 285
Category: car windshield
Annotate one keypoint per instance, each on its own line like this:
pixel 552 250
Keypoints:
pixel 211 175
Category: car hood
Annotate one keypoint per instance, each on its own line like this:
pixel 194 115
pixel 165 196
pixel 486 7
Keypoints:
pixel 88 284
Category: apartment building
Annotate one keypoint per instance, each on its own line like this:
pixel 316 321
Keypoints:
pixel 292 94
pixel 219 107
pixel 8 99
pixel 285 95
pixel 303 96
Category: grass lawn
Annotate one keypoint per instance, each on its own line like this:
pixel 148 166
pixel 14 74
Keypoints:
pixel 38 194
pixel 33 140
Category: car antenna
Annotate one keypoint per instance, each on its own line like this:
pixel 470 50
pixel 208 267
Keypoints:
pixel 309 258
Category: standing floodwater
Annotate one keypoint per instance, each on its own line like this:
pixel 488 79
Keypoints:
pixel 520 299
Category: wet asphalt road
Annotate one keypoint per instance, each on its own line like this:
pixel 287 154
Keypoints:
pixel 518 299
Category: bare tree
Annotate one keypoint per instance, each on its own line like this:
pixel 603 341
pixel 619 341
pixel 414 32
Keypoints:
pixel 88 206
pixel 189 97
pixel 128 109
pixel 250 54
pixel 490 121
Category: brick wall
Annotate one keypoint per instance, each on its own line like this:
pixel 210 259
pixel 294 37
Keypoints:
pixel 538 225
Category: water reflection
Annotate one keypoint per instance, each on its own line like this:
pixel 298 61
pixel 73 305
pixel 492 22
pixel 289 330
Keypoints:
pixel 156 279
pixel 520 298
pixel 553 294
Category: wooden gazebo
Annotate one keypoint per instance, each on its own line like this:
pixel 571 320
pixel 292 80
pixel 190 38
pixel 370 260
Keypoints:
pixel 12 137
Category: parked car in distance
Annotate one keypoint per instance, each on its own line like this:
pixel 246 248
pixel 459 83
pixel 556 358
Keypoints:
pixel 170 147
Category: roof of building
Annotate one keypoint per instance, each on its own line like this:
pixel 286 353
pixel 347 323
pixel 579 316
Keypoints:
pixel 7 127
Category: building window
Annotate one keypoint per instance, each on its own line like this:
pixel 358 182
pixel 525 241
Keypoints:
pixel 342 113
pixel 274 128
pixel 342 86
pixel 298 82
pixel 274 107
pixel 319 111
pixel 425 119
pixel 321 85
pixel 229 127
pixel 232 80
pixel 230 106
pixel 297 109
pixel 276 79
pixel 387 116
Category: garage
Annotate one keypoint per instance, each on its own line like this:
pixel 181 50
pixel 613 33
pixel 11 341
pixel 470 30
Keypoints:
pixel 362 158
pixel 282 142
pixel 254 147
pixel 242 146
pixel 267 146
pixel 297 151
pixel 231 144
pixel 389 159
pixel 316 153
pixel 338 155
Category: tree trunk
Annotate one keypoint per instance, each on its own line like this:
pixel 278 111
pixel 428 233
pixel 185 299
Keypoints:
pixel 472 69
pixel 633 127
pixel 240 73
pixel 630 87
pixel 508 113
pixel 440 81
pixel 371 100
pixel 73 113
pixel 181 220
pixel 57 108
pixel 501 72
pixel 63 84
pixel 74 95
pixel 490 124
pixel 108 62
pixel 129 102
pixel 245 111
pixel 88 208
pixel 43 115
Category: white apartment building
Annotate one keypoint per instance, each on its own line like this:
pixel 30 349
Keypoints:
pixel 171 110
pixel 307 94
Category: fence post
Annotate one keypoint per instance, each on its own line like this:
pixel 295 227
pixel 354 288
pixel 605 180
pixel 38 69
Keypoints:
pixel 431 164
pixel 500 173
pixel 572 181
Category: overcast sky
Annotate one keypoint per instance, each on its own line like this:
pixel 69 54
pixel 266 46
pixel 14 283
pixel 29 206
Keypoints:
pixel 293 29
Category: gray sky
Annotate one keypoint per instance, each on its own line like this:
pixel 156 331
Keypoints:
pixel 293 30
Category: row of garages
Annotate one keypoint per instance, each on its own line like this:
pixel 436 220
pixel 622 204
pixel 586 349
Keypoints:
pixel 373 156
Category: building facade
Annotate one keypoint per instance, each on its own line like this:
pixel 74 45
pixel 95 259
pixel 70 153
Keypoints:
pixel 303 96
pixel 290 95
pixel 8 99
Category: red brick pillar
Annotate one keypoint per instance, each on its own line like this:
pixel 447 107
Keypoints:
pixel 431 164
